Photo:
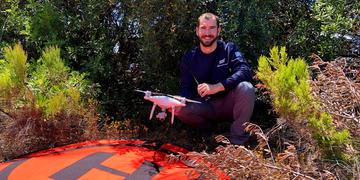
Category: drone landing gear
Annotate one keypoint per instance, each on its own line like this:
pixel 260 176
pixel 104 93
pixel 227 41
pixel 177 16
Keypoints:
pixel 152 111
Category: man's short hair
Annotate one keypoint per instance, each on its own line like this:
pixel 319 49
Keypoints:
pixel 208 16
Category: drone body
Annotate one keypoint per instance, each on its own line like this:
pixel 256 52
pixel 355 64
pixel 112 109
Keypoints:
pixel 165 102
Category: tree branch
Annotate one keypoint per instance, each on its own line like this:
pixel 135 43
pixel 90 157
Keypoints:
pixel 6 115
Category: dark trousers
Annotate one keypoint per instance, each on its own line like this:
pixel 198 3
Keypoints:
pixel 236 106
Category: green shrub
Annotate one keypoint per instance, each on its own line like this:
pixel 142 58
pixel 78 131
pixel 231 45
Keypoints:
pixel 55 87
pixel 326 135
pixel 46 25
pixel 287 80
pixel 56 107
pixel 51 85
pixel 12 74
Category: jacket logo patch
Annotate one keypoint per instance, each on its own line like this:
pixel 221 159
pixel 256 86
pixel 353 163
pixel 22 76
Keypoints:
pixel 238 54
pixel 222 62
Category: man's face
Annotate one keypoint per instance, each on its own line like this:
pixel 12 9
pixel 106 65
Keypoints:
pixel 207 31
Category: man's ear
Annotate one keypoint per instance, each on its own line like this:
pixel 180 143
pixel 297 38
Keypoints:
pixel 197 31
pixel 219 30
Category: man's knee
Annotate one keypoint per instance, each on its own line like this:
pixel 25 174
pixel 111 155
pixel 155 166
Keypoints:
pixel 185 113
pixel 182 111
pixel 189 116
pixel 245 88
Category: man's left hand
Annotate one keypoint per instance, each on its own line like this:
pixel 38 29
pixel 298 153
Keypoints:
pixel 205 89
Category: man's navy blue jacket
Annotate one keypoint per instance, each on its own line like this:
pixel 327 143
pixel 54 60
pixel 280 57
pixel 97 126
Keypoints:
pixel 226 65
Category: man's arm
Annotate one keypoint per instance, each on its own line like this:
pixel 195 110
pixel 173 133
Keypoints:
pixel 240 69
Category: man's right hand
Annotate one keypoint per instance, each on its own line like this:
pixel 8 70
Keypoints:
pixel 205 89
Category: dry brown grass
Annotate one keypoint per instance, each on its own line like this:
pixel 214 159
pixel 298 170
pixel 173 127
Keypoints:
pixel 27 130
pixel 287 152
pixel 239 162
pixel 336 84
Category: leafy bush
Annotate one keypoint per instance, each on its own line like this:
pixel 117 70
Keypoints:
pixel 46 25
pixel 55 87
pixel 13 74
pixel 335 18
pixel 326 134
pixel 50 107
pixel 287 79
pixel 324 28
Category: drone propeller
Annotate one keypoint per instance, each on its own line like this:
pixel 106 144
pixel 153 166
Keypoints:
pixel 137 90
pixel 181 98
pixel 193 101
pixel 152 93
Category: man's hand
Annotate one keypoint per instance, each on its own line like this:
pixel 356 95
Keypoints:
pixel 205 89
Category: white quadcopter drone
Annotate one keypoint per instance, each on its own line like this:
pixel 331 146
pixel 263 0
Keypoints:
pixel 165 101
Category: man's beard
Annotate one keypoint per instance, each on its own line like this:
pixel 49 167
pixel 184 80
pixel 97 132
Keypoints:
pixel 208 43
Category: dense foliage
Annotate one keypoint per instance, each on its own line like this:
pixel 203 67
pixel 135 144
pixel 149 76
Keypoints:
pixel 79 50
pixel 124 45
